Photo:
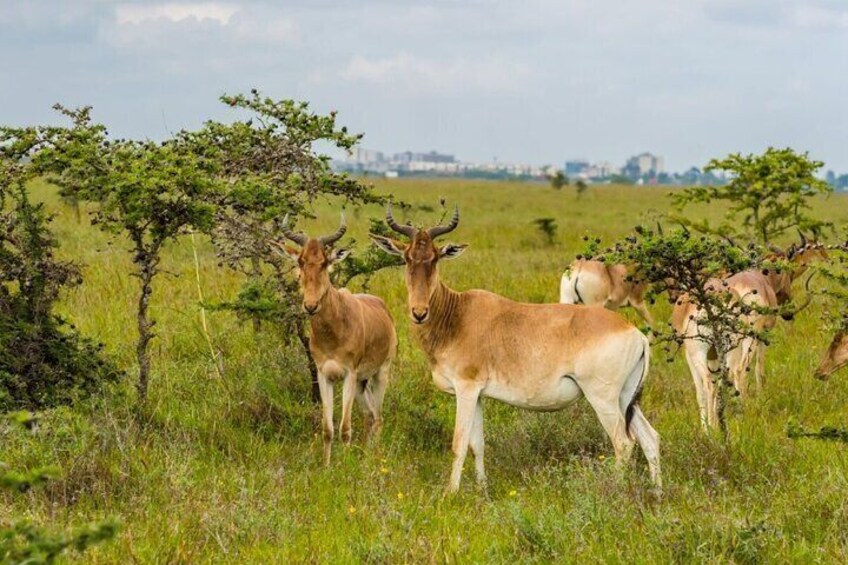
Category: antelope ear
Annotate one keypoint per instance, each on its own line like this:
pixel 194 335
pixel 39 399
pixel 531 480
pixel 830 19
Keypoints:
pixel 284 250
pixel 339 255
pixel 387 244
pixel 452 250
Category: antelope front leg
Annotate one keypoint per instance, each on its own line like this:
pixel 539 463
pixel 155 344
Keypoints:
pixel 348 396
pixel 466 407
pixel 325 387
pixel 477 443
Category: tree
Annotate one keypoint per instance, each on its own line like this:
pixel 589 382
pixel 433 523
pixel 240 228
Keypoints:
pixel 267 166
pixel 688 268
pixel 548 228
pixel 581 187
pixel 44 361
pixel 151 193
pixel 559 180
pixel 768 195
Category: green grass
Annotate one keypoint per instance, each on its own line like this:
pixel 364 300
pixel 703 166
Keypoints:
pixel 228 469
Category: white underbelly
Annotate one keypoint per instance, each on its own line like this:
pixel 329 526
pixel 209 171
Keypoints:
pixel 555 395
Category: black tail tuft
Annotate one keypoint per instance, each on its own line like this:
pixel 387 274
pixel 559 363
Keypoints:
pixel 634 401
pixel 628 414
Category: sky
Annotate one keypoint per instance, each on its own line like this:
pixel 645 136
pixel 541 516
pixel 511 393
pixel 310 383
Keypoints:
pixel 524 81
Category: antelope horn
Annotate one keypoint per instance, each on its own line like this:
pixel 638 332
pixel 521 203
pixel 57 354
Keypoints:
pixel 299 237
pixel 442 230
pixel 331 239
pixel 807 302
pixel 408 231
pixel 803 238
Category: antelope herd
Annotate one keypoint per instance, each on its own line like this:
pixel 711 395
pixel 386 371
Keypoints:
pixel 539 357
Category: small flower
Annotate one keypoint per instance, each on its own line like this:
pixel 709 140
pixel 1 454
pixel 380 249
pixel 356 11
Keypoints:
pixel 601 457
pixel 513 492
pixel 400 496
pixel 384 470
pixel 351 510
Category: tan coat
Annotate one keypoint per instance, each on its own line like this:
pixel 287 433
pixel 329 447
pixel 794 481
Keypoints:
pixel 595 283
pixel 533 356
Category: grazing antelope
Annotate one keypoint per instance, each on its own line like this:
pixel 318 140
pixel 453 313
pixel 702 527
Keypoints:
pixel 352 336
pixel 835 357
pixel 750 288
pixel 595 283
pixel 763 291
pixel 535 356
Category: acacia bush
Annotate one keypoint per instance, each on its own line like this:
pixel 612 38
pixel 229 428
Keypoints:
pixel 44 360
pixel 150 193
pixel 690 268
pixel 767 195
pixel 267 166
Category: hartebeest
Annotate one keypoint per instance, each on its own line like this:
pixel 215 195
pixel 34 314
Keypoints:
pixel 352 335
pixel 535 356
pixel 764 292
pixel 835 357
pixel 595 283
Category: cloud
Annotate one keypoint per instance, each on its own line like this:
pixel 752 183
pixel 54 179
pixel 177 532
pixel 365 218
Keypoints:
pixel 422 76
pixel 207 26
pixel 821 17
pixel 175 12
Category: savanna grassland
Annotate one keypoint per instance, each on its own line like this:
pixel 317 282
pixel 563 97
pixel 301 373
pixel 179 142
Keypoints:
pixel 226 467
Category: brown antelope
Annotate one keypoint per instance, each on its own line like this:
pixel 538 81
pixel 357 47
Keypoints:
pixel 750 288
pixel 767 290
pixel 835 357
pixel 352 336
pixel 594 283
pixel 535 356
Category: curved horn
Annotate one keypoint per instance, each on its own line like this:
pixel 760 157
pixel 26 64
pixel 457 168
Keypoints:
pixel 775 249
pixel 789 314
pixel 803 238
pixel 408 231
pixel 442 230
pixel 299 237
pixel 331 239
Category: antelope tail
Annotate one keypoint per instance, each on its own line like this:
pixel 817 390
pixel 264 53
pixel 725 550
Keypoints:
pixel 632 390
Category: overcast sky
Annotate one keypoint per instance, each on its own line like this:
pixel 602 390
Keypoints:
pixel 537 82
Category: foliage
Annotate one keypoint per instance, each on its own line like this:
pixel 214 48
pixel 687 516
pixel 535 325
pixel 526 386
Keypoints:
pixel 149 192
pixel 831 433
pixel 767 195
pixel 691 270
pixel 559 180
pixel 835 271
pixel 581 186
pixel 267 166
pixel 548 228
pixel 24 542
pixel 44 361
pixel 366 263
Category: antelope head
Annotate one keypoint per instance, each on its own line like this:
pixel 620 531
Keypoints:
pixel 314 258
pixel 836 356
pixel 421 256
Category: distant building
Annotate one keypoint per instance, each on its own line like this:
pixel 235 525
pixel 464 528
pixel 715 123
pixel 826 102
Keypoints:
pixel 576 168
pixel 366 156
pixel 644 165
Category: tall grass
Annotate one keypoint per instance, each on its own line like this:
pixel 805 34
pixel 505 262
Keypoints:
pixel 227 467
